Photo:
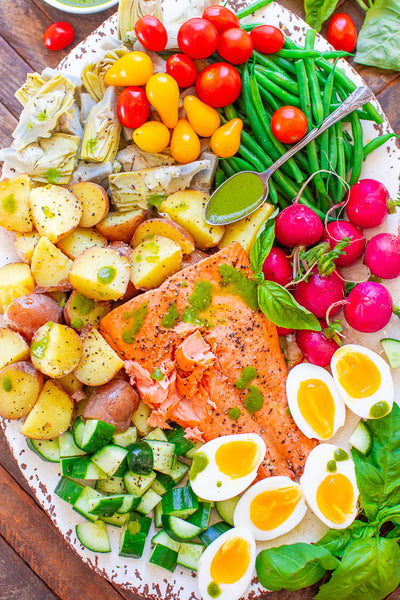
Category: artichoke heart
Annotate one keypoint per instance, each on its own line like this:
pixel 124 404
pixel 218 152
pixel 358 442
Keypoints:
pixel 93 74
pixel 33 83
pixel 102 130
pixel 130 11
pixel 132 158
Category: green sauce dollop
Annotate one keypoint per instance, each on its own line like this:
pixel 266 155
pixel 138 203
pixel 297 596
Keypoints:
pixel 248 374
pixel 106 274
pixel 340 455
pixel 331 466
pixel 199 301
pixel 8 204
pixel 254 399
pixel 157 374
pixel 6 384
pixel 235 198
pixel 82 304
pixel 138 317
pixel 38 348
pixel 234 413
pixel 171 317
pixel 213 590
pixel 378 410
pixel 200 462
pixel 239 285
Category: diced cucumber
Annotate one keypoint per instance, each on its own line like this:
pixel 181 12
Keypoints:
pixel 81 505
pixel 164 483
pixel 81 467
pixel 125 438
pixel 226 508
pixel 111 459
pixel 157 434
pixel 178 529
pixel 149 500
pixel 93 536
pixel 392 351
pixel 158 512
pixel 201 517
pixel 162 537
pixel 133 535
pixel 163 557
pixel 179 471
pixel 140 458
pixel 361 438
pixel 68 490
pixel 96 435
pixel 48 450
pixel 78 430
pixel 129 503
pixel 177 437
pixel 138 484
pixel 105 506
pixel 213 532
pixel 180 502
pixel 139 419
pixel 68 447
pixel 111 485
pixel 116 519
pixel 190 453
pixel 163 455
pixel 189 555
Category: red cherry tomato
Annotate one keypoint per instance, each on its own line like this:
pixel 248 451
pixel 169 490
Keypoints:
pixel 267 39
pixel 58 35
pixel 182 69
pixel 342 33
pixel 235 45
pixel 133 107
pixel 222 18
pixel 289 124
pixel 218 84
pixel 198 38
pixel 151 33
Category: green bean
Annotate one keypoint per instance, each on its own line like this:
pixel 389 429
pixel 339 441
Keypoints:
pixel 377 142
pixel 280 79
pixel 341 166
pixel 238 164
pixel 357 133
pixel 250 26
pixel 253 7
pixel 348 150
pixel 324 139
pixel 283 63
pixel 227 169
pixel 219 177
pixel 249 143
pixel 300 53
pixel 315 90
pixel 266 60
pixel 230 112
pixel 277 90
pixel 256 164
pixel 269 98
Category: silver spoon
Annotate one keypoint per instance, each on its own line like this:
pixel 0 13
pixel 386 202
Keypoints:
pixel 251 188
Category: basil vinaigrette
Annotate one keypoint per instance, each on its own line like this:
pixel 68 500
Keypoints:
pixel 83 3
pixel 235 198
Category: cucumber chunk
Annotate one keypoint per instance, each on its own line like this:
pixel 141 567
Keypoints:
pixel 177 437
pixel 157 434
pixel 163 557
pixel 82 506
pixel 68 490
pixel 125 438
pixel 68 447
pixel 93 536
pixel 163 538
pixel 213 532
pixel 140 458
pixel 178 529
pixel 116 519
pixel 133 535
pixel 48 450
pixel 149 500
pixel 81 467
pixel 111 485
pixel 105 506
pixel 138 484
pixel 96 435
pixel 201 517
pixel 111 459
pixel 392 351
pixel 226 508
pixel 129 503
pixel 158 513
pixel 189 555
pixel 163 456
pixel 361 438
pixel 180 502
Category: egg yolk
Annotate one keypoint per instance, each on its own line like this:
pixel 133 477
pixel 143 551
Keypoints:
pixel 269 509
pixel 237 459
pixel 317 406
pixel 358 374
pixel 335 498
pixel 231 561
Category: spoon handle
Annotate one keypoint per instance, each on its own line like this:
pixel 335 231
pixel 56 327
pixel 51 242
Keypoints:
pixel 358 98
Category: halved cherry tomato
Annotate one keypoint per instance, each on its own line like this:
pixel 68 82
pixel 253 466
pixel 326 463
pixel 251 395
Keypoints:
pixel 267 39
pixel 133 107
pixel 342 33
pixel 151 33
pixel 198 38
pixel 221 17
pixel 182 69
pixel 218 84
pixel 58 35
pixel 235 45
pixel 289 124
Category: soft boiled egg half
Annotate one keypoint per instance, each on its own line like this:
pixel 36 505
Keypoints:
pixel 314 402
pixel 364 381
pixel 227 565
pixel 226 466
pixel 330 486
pixel 270 508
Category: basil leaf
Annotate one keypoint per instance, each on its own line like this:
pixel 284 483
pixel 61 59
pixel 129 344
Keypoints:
pixel 337 540
pixel 369 570
pixel 378 43
pixel 282 309
pixel 378 473
pixel 263 244
pixel 317 11
pixel 293 566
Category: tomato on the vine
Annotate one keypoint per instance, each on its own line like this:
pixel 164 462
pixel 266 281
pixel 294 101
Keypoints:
pixel 218 84
pixel 235 46
pixel 133 107
pixel 151 33
pixel 289 124
pixel 58 35
pixel 182 69
pixel 342 33
pixel 221 17
pixel 198 38
pixel 267 39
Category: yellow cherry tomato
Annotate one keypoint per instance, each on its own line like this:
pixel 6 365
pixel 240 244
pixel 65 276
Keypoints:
pixel 225 141
pixel 152 136
pixel 134 68
pixel 162 92
pixel 203 118
pixel 185 144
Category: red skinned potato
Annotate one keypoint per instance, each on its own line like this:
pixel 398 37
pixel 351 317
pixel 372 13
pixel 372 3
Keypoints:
pixel 114 403
pixel 27 313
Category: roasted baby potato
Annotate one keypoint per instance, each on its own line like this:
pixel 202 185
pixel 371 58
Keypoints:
pixel 70 383
pixel 25 244
pixel 56 349
pixel 245 231
pixel 120 226
pixel 186 208
pixel 193 258
pixel 15 280
pixel 79 312
pixel 15 212
pixel 55 211
pixel 51 415
pixel 94 202
pixel 169 229
pixel 27 313
pixel 100 274
pixel 115 402
pixel 13 347
pixel 139 419
pixel 153 261
pixel 80 240
pixel 20 385
pixel 99 362
pixel 50 267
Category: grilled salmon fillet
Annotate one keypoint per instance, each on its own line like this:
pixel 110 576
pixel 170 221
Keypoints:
pixel 185 346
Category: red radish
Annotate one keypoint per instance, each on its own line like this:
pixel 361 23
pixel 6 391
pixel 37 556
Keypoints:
pixel 298 225
pixel 336 231
pixel 284 331
pixel 315 347
pixel 367 205
pixel 369 307
pixel 319 292
pixel 382 256
pixel 277 267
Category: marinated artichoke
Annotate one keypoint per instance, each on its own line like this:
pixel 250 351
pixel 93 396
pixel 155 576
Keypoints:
pixel 93 73
pixel 102 130
pixel 130 11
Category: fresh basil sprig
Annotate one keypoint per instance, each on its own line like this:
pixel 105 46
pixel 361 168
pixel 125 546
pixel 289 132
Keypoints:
pixel 317 11
pixel 378 43
pixel 263 244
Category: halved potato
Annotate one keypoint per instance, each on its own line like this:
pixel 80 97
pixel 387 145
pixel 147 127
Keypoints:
pixel 55 211
pixel 99 362
pixel 100 274
pixel 186 208
pixel 79 312
pixel 25 244
pixel 15 280
pixel 245 231
pixel 153 261
pixel 169 229
pixel 15 211
pixel 50 267
pixel 70 383
pixel 13 347
pixel 80 240
pixel 51 415
pixel 55 349
pixel 139 419
pixel 94 202
pixel 120 226
pixel 20 385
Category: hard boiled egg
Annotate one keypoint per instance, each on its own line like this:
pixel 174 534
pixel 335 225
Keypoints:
pixel 226 566
pixel 363 380
pixel 270 508
pixel 226 466
pixel 314 402
pixel 330 487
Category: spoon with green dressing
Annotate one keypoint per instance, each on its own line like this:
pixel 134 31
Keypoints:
pixel 244 192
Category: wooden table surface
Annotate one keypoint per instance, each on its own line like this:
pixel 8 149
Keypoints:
pixel 35 561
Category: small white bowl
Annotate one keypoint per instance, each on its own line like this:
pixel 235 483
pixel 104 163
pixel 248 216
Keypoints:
pixel 82 10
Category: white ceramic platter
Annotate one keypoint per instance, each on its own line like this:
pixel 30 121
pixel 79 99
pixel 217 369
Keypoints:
pixel 150 582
